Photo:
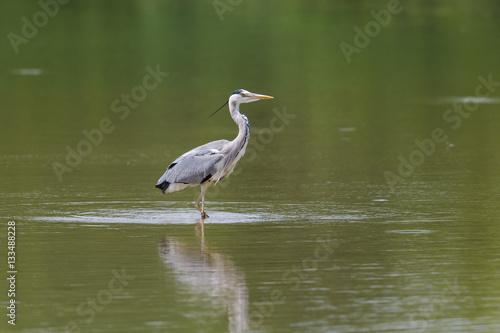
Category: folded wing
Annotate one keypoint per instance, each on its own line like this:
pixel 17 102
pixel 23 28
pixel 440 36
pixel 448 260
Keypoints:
pixel 193 168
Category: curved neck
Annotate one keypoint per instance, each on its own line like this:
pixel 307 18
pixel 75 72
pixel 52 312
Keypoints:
pixel 243 125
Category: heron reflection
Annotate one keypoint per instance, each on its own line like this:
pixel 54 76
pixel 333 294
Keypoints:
pixel 210 278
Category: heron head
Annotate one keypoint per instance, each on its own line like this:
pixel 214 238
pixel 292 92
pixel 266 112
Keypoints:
pixel 243 96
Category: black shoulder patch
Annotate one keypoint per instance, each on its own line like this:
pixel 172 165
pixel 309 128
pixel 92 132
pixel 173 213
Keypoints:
pixel 171 166
pixel 163 186
pixel 206 178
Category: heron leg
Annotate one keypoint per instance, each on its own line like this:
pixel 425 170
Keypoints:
pixel 197 203
pixel 202 209
pixel 202 196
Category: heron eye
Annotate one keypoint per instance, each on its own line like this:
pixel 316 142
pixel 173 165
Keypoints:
pixel 242 94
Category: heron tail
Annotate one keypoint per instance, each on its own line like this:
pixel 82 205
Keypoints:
pixel 162 186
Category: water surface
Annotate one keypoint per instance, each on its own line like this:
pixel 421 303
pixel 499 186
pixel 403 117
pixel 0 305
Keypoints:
pixel 345 215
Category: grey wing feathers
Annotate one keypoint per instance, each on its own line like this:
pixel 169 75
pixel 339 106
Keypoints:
pixel 193 167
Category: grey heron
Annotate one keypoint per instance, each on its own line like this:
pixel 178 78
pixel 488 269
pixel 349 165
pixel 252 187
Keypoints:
pixel 213 161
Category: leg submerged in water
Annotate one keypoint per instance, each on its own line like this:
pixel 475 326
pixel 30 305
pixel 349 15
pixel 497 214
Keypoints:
pixel 202 198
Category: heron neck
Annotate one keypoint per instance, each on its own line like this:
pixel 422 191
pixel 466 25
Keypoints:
pixel 243 125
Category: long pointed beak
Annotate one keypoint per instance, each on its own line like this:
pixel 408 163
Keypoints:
pixel 258 96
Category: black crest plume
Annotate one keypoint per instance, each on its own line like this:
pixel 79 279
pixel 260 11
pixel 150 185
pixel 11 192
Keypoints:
pixel 219 109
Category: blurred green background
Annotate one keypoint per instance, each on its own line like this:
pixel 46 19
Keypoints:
pixel 323 173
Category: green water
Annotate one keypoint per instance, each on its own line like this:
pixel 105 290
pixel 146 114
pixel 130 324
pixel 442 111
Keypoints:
pixel 368 199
